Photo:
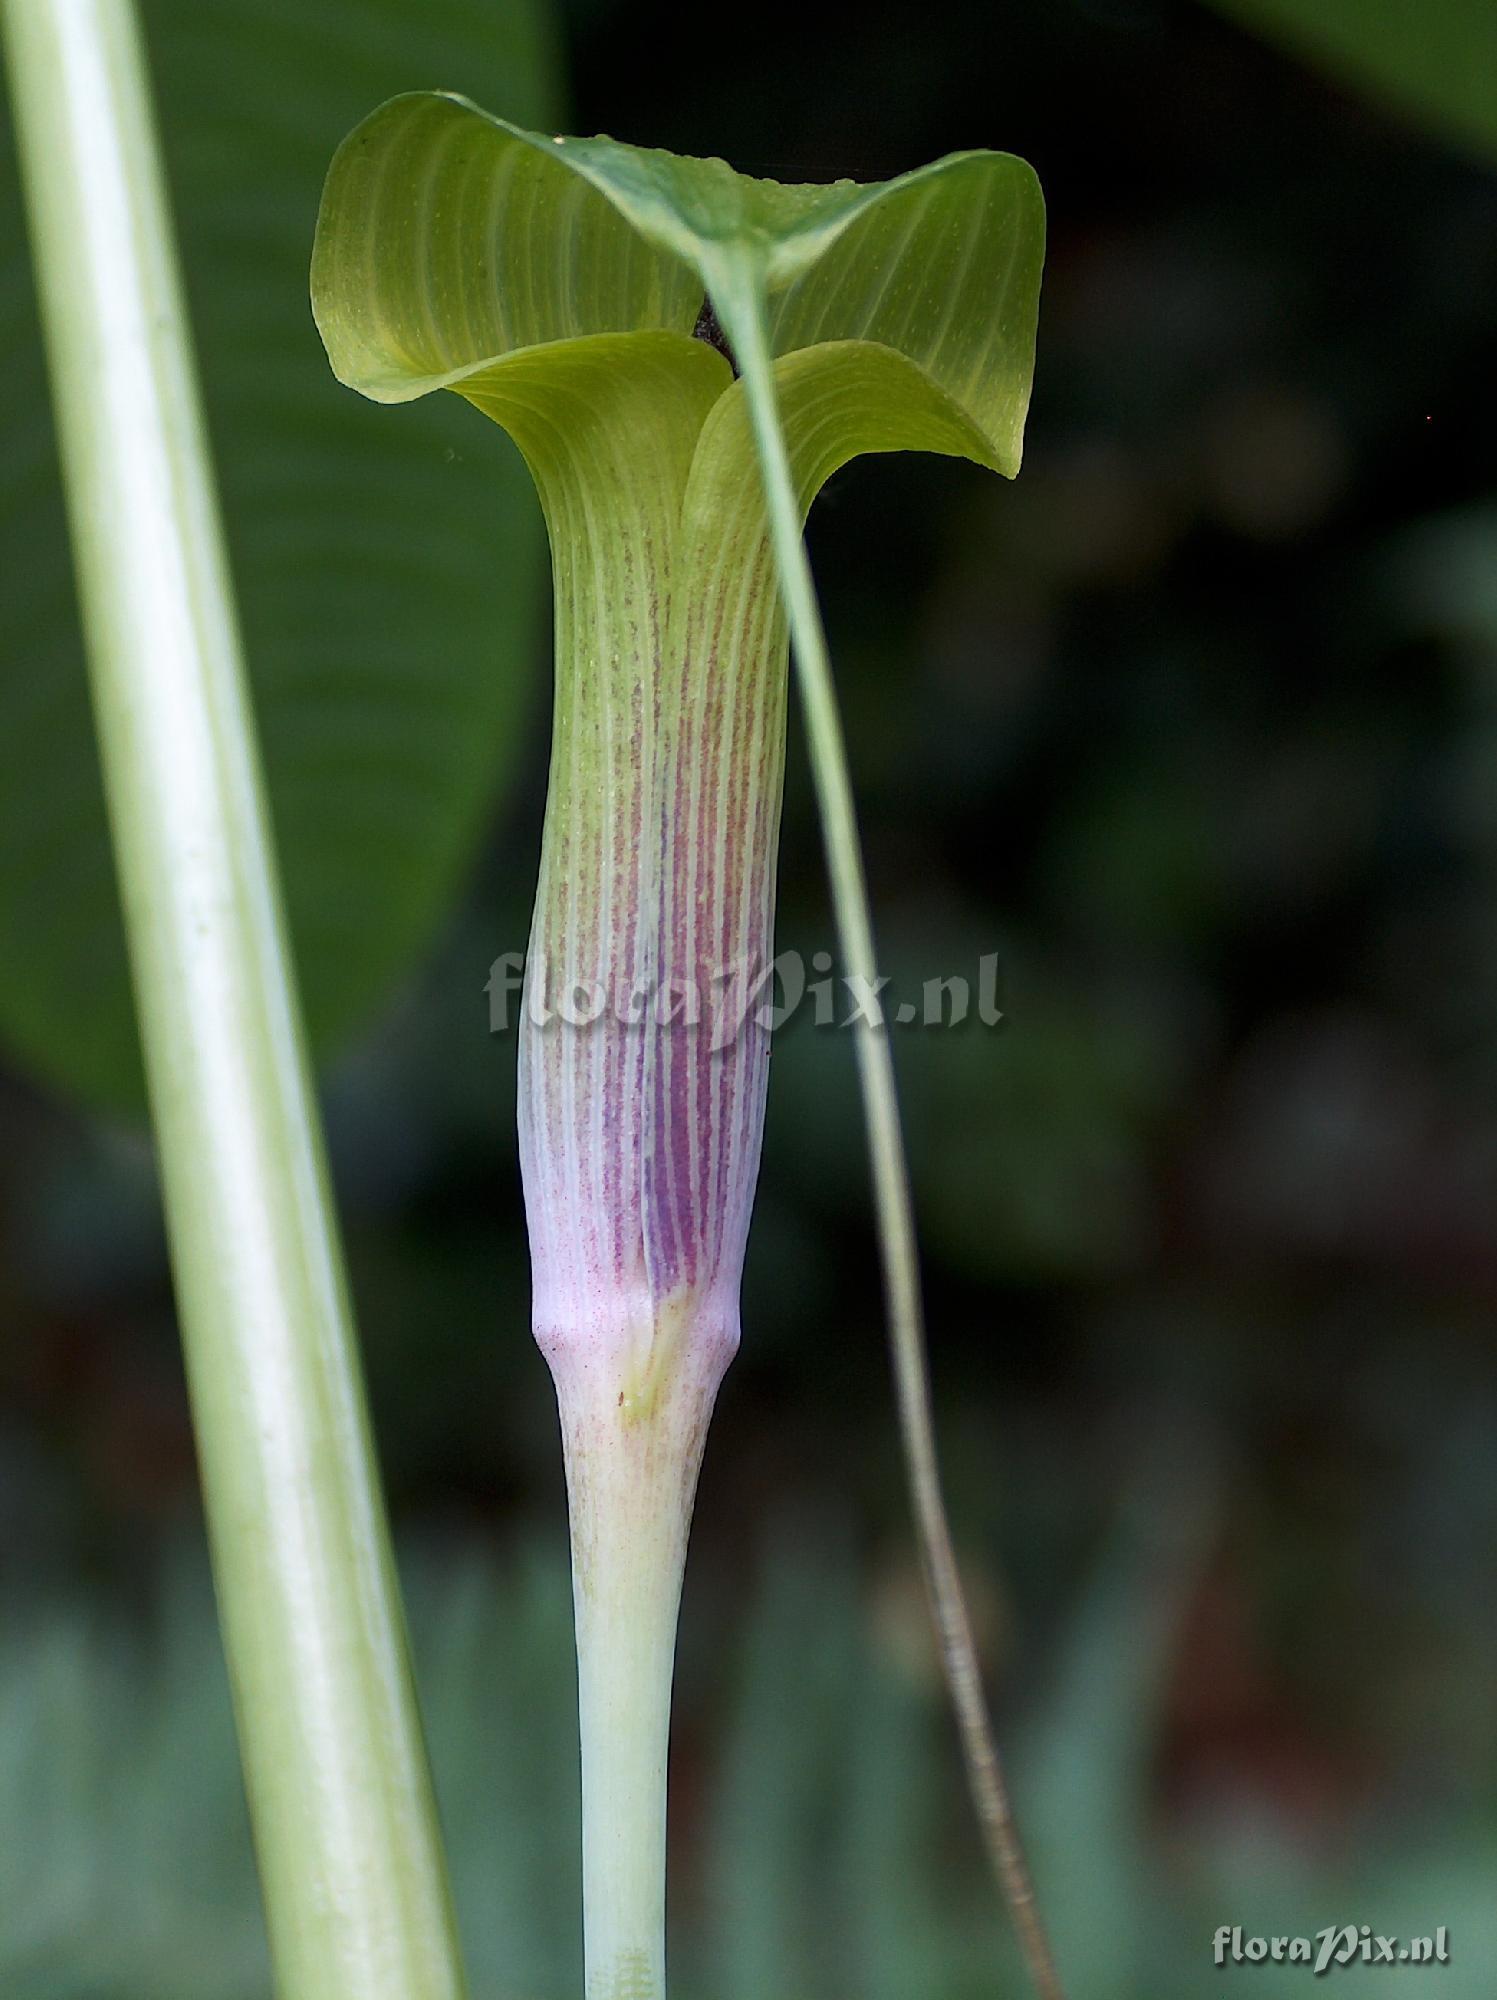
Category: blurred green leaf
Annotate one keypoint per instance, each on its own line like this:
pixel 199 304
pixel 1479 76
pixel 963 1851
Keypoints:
pixel 822 1826
pixel 1433 60
pixel 1031 1146
pixel 390 661
pixel 1092 1745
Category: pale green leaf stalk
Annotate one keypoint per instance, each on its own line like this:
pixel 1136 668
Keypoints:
pixel 559 285
pixel 344 1826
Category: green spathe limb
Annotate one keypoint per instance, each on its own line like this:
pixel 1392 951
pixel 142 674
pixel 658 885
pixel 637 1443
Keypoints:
pixel 553 282
pixel 355 1892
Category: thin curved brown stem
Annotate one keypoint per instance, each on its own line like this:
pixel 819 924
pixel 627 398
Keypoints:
pixel 739 299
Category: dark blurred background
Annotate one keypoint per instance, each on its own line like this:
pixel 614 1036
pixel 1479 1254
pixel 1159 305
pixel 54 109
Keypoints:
pixel 1195 726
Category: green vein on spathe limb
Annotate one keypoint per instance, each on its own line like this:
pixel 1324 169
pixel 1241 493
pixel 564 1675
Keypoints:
pixel 736 284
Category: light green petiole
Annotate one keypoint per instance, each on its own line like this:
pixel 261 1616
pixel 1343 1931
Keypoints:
pixel 340 1799
pixel 631 1479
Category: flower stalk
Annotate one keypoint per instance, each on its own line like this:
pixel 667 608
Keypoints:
pixel 631 1478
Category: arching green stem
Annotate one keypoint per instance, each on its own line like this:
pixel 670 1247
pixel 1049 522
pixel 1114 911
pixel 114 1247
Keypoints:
pixel 737 289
